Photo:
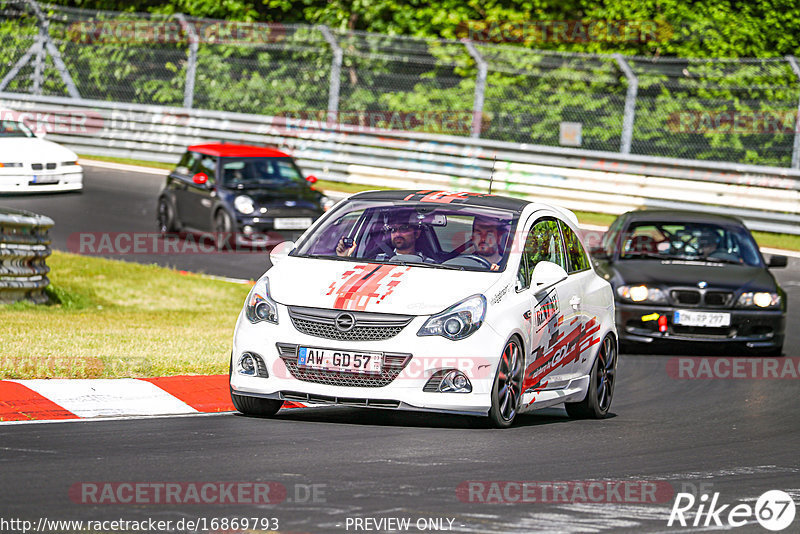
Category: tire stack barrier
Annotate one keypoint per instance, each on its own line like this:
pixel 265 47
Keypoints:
pixel 24 248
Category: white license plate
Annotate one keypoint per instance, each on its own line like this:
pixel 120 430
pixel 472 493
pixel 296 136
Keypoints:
pixel 339 360
pixel 693 318
pixel 292 223
pixel 45 179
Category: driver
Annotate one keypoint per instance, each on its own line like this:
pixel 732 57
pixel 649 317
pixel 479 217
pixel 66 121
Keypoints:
pixel 486 234
pixel 404 231
pixel 708 243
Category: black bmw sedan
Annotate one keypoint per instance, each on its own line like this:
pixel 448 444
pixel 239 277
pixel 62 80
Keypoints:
pixel 243 194
pixel 689 277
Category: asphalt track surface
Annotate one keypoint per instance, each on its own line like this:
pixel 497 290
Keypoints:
pixel 738 437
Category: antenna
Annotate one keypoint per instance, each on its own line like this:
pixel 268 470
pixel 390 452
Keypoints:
pixel 491 177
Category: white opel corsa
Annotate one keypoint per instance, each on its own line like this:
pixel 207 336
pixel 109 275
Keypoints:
pixel 29 164
pixel 430 301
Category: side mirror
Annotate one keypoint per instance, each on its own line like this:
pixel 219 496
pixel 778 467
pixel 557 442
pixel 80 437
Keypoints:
pixel 778 261
pixel 280 251
pixel 200 178
pixel 311 179
pixel 545 275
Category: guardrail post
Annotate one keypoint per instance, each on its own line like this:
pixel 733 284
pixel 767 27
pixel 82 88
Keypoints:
pixel 796 147
pixel 336 74
pixel 45 43
pixel 191 66
pixel 630 105
pixel 25 246
pixel 480 88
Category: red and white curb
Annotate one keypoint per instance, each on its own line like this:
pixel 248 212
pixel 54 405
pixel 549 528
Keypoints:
pixel 69 399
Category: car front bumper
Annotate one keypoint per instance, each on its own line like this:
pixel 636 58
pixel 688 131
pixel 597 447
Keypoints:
pixel 757 329
pixel 42 181
pixel 476 356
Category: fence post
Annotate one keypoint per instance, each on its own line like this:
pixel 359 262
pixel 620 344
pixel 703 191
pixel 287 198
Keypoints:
pixel 336 74
pixel 630 105
pixel 480 88
pixel 191 66
pixel 47 46
pixel 796 146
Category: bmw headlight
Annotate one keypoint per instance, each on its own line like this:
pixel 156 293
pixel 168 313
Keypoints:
pixel 244 204
pixel 642 293
pixel 259 306
pixel 326 203
pixel 458 321
pixel 759 300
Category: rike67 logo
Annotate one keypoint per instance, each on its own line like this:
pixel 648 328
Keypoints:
pixel 774 510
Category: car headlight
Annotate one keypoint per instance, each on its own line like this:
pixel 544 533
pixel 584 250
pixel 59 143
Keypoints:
pixel 68 163
pixel 458 321
pixel 642 293
pixel 244 204
pixel 10 164
pixel 326 203
pixel 260 306
pixel 759 300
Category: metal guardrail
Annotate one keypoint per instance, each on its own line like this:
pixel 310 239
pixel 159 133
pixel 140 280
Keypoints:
pixel 766 198
pixel 24 248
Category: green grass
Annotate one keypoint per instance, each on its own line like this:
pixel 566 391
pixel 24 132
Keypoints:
pixel 118 319
pixel 764 239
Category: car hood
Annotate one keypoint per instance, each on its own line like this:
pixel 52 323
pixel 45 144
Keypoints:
pixel 373 287
pixel 33 150
pixel 690 273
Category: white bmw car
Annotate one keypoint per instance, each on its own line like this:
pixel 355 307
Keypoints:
pixel 430 301
pixel 29 164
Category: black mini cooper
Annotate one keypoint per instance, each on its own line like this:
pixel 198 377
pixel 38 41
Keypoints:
pixel 244 194
pixel 691 277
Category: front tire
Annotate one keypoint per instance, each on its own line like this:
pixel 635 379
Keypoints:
pixel 223 229
pixel 601 385
pixel 167 222
pixel 507 385
pixel 252 405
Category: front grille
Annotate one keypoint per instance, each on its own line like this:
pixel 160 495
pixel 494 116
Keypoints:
pixel 344 401
pixel 704 332
pixel 51 166
pixel 37 166
pixel 367 326
pixel 393 364
pixel 718 298
pixel 687 297
pixel 692 297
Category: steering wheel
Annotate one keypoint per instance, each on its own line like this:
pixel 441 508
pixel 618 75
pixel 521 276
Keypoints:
pixel 478 259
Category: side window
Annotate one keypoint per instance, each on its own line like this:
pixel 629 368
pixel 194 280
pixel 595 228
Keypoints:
pixel 610 237
pixel 578 260
pixel 208 165
pixel 187 163
pixel 542 244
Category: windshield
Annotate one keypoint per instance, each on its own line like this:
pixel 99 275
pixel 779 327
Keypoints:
pixel 690 241
pixel 242 173
pixel 14 129
pixel 414 233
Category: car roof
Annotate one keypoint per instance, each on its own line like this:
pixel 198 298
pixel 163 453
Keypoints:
pixel 681 216
pixel 227 150
pixel 446 197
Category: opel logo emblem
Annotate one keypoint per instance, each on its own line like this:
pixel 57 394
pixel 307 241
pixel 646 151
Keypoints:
pixel 702 285
pixel 345 322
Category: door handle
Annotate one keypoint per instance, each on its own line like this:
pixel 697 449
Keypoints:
pixel 575 302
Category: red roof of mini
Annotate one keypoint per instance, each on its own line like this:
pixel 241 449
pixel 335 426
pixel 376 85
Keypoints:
pixel 227 150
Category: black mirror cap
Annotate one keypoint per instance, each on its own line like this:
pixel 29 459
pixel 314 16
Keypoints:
pixel 778 261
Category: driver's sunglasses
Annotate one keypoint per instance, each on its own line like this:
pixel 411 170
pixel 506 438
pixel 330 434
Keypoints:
pixel 394 228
